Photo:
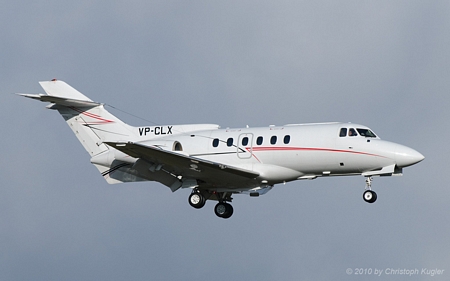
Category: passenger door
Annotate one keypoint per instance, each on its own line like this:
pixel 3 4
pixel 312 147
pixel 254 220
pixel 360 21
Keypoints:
pixel 245 146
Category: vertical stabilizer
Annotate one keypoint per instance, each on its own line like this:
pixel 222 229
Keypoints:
pixel 92 124
pixel 90 121
pixel 57 88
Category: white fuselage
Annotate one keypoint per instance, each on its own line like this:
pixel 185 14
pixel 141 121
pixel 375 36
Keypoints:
pixel 217 163
pixel 291 152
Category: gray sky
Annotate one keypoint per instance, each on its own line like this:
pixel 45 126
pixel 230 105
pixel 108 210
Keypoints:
pixel 384 64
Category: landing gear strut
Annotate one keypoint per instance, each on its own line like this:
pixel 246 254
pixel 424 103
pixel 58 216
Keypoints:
pixel 369 195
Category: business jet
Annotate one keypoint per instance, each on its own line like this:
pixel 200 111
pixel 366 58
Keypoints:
pixel 219 163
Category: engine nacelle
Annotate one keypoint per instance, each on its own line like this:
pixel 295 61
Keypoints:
pixel 170 145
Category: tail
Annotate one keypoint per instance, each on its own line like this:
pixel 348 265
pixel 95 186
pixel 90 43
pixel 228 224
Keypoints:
pixel 93 125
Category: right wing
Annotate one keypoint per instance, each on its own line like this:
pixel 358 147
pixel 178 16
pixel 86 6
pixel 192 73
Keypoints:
pixel 211 174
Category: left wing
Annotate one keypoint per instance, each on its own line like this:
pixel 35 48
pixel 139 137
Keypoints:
pixel 211 174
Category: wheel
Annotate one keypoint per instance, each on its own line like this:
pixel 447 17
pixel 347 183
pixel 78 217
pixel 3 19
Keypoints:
pixel 220 209
pixel 369 196
pixel 197 200
pixel 229 211
pixel 223 210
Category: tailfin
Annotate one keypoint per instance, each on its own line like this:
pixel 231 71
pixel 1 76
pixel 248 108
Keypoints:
pixel 94 125
pixel 90 121
pixel 61 89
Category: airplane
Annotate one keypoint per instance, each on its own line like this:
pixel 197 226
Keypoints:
pixel 218 163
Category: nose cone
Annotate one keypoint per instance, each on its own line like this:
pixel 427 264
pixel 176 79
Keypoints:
pixel 405 156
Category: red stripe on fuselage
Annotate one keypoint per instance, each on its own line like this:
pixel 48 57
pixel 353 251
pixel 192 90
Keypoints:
pixel 281 148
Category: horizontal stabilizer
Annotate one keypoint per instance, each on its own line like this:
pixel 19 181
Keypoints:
pixel 61 100
pixel 61 93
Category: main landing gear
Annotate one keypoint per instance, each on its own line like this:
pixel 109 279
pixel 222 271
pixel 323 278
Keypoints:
pixel 222 209
pixel 369 195
pixel 196 199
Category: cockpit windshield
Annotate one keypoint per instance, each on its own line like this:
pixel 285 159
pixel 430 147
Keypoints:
pixel 366 133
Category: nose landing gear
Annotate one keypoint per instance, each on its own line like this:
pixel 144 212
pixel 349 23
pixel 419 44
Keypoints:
pixel 369 195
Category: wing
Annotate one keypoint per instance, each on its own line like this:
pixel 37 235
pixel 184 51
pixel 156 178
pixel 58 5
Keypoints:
pixel 210 174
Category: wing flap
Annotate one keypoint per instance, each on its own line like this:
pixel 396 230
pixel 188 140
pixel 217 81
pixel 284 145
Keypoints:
pixel 212 173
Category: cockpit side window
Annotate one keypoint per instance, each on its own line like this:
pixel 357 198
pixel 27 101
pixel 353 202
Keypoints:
pixel 343 132
pixel 352 133
pixel 366 133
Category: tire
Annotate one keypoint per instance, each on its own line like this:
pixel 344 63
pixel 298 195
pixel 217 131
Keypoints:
pixel 369 196
pixel 196 200
pixel 229 211
pixel 223 210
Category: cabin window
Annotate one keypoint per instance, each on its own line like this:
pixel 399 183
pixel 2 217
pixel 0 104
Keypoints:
pixel 287 139
pixel 343 132
pixel 352 133
pixel 215 143
pixel 366 133
pixel 273 140
pixel 259 140
pixel 244 141
pixel 230 142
